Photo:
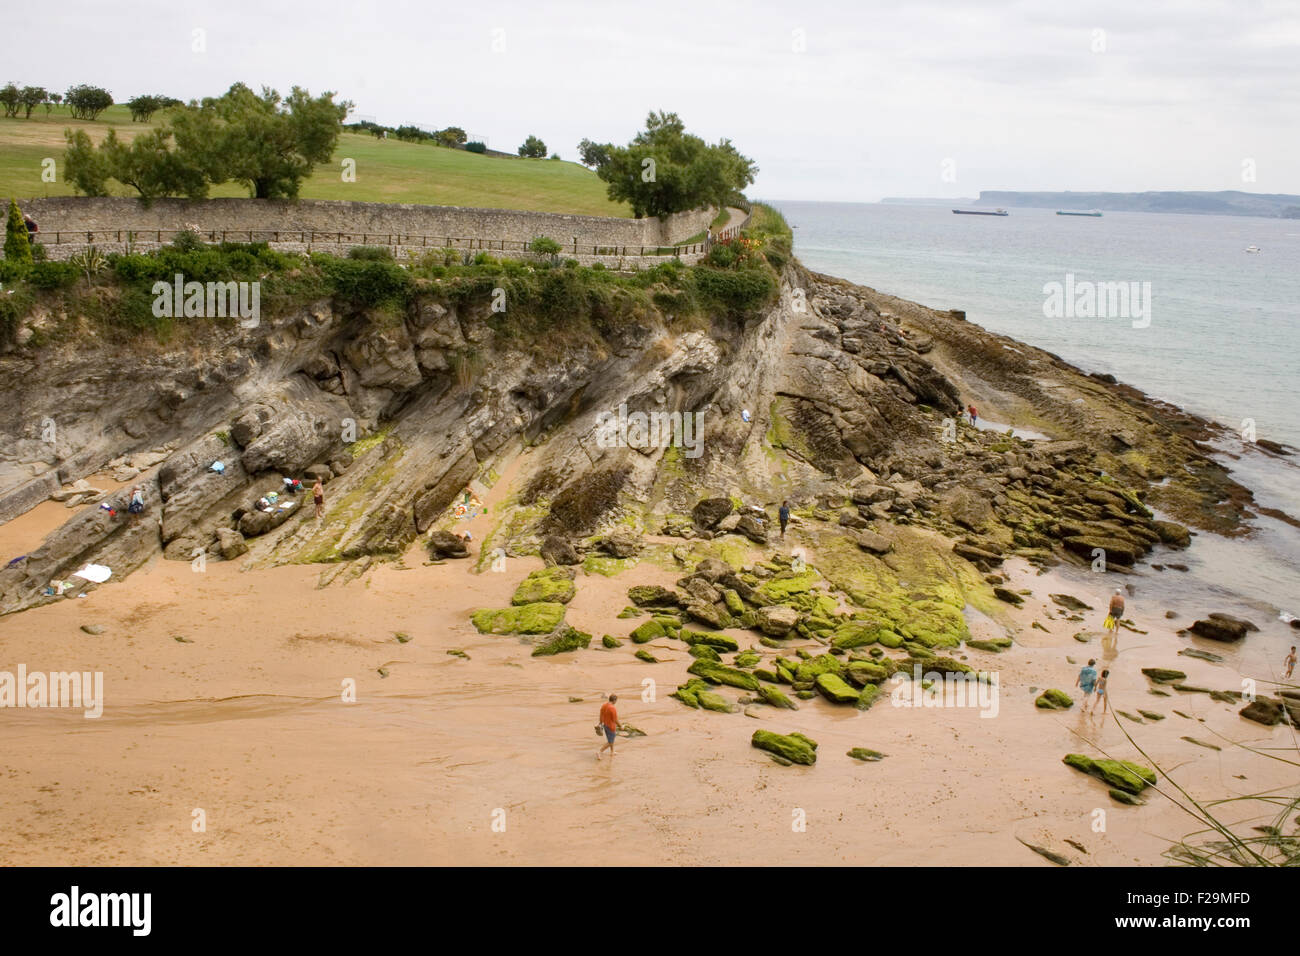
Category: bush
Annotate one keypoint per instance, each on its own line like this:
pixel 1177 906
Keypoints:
pixel 545 246
pixel 371 253
pixel 368 282
pixel 476 147
pixel 17 246
pixel 53 275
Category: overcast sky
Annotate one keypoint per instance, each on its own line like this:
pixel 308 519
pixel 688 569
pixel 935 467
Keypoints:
pixel 835 101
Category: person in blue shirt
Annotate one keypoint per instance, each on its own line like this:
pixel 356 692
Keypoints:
pixel 784 515
pixel 1087 679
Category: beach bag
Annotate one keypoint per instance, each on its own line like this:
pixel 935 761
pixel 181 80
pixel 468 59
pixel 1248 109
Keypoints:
pixel 1110 622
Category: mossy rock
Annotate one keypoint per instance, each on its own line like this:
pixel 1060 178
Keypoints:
pixel 772 696
pixel 1121 774
pixel 553 585
pixel 567 639
pixel 995 644
pixel 784 674
pixel 767 674
pixel 611 642
pixel 647 632
pixel 630 612
pixel 719 674
pixel 652 595
pixel 1164 675
pixel 645 655
pixel 855 633
pixel 937 665
pixel 734 604
pixel 866 672
pixel 715 702
pixel 805 694
pixel 747 658
pixel 1053 699
pixel 688 693
pixel 808 740
pixel 540 618
pixel 791 747
pixel 868 696
pixel 862 753
pixel 821 664
pixel 787 587
pixel 1151 715
pixel 704 652
pixel 1121 796
pixel 891 640
pixel 721 642
pixel 834 689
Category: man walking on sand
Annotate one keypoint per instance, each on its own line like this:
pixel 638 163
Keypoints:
pixel 608 723
pixel 1114 612
pixel 1087 680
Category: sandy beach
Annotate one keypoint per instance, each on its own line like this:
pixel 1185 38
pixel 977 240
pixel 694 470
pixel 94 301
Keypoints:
pixel 224 694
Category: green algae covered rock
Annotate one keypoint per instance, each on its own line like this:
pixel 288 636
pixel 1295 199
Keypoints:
pixel 688 693
pixel 653 595
pixel 996 644
pixel 611 642
pixel 747 658
pixel 645 655
pixel 787 587
pixel 715 702
pixel 862 753
pixel 553 584
pixel 704 652
pixel 868 696
pixel 1121 796
pixel 1164 675
pixel 857 633
pixel 567 639
pixel 821 664
pixel 1120 774
pixel 648 632
pixel 772 696
pixel 834 689
pixel 866 672
pixel 540 618
pixel 734 604
pixel 719 674
pixel 721 642
pixel 1053 699
pixel 792 747
pixel 630 612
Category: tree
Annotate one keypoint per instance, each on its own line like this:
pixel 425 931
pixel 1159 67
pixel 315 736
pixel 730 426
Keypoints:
pixel 31 97
pixel 87 102
pixel 269 142
pixel 664 169
pixel 10 97
pixel 143 107
pixel 451 136
pixel 18 247
pixel 151 167
pixel 411 134
pixel 593 154
pixel 84 166
pixel 533 148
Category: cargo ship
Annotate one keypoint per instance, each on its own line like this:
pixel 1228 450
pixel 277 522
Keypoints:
pixel 1095 213
pixel 981 212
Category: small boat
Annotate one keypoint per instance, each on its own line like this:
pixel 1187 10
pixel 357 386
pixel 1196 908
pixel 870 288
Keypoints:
pixel 1252 248
pixel 981 212
pixel 1095 213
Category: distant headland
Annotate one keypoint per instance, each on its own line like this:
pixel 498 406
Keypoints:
pixel 1228 202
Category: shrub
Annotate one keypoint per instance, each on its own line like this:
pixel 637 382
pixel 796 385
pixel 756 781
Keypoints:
pixel 371 253
pixel 476 147
pixel 17 246
pixel 53 275
pixel 545 246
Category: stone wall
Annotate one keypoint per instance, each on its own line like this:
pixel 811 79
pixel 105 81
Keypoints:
pixel 353 223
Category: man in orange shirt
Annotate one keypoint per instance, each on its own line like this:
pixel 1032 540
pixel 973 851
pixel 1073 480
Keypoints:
pixel 609 723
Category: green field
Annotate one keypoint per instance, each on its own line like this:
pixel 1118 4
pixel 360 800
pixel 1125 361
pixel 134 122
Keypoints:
pixel 386 170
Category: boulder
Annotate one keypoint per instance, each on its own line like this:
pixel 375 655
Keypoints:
pixel 552 583
pixel 1069 602
pixel 653 595
pixel 834 689
pixel 1263 710
pixel 444 544
pixel 621 543
pixel 556 550
pixel 709 511
pixel 967 507
pixel 1053 699
pixel 567 638
pixel 1173 534
pixel 795 748
pixel 231 543
pixel 752 528
pixel 777 620
pixel 713 569
pixel 319 472
pixel 1164 675
pixel 874 543
pixel 525 619
pixel 1217 629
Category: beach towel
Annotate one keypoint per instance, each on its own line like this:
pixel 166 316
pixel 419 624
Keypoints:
pixel 94 572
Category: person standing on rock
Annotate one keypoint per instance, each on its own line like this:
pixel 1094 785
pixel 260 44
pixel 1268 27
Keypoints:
pixel 609 724
pixel 1114 612
pixel 318 498
pixel 783 515
pixel 974 415
pixel 137 501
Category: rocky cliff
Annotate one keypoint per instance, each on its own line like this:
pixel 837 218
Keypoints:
pixel 843 400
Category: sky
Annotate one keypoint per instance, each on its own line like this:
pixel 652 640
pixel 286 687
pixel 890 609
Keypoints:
pixel 842 101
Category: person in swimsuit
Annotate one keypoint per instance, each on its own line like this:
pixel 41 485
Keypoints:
pixel 318 498
pixel 1101 692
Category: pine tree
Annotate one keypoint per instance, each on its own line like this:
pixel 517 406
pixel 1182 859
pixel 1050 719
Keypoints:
pixel 17 246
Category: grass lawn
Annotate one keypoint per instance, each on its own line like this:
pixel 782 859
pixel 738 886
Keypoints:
pixel 386 170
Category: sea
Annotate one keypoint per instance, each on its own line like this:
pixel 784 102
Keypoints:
pixel 1207 326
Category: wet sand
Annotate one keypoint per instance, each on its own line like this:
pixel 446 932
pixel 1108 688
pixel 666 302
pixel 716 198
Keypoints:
pixel 245 720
